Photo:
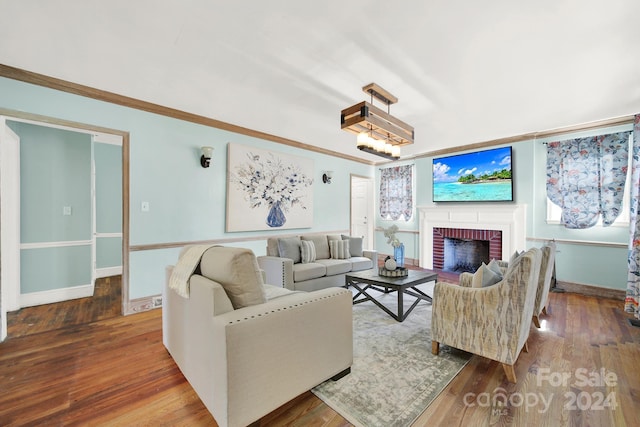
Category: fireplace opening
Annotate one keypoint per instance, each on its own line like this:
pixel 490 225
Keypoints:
pixel 462 255
pixel 491 237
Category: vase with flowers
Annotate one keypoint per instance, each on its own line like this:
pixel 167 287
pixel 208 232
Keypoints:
pixel 398 247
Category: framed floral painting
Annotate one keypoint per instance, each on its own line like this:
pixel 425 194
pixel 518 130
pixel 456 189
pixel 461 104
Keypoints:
pixel 267 190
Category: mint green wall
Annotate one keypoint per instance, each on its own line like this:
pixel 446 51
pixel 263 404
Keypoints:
pixel 55 171
pixel 108 182
pixel 108 169
pixel 108 252
pixel 187 202
pixel 580 261
pixel 54 268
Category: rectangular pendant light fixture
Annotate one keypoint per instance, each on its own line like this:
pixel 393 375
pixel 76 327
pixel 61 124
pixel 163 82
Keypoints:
pixel 386 133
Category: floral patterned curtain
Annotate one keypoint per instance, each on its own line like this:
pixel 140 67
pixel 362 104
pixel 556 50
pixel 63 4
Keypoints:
pixel 586 176
pixel 633 279
pixel 396 192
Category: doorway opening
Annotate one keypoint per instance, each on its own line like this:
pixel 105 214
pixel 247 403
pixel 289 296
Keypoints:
pixel 23 247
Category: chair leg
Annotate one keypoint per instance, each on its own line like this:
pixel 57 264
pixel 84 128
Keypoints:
pixel 526 347
pixel 511 373
pixel 536 321
pixel 544 311
pixel 435 347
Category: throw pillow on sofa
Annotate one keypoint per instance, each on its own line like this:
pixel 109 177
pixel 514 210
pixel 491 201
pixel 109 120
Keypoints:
pixel 484 277
pixel 237 270
pixel 495 267
pixel 355 245
pixel 289 247
pixel 321 244
pixel 339 249
pixel 307 251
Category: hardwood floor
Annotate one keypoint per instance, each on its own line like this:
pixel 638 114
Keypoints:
pixel 117 372
pixel 105 303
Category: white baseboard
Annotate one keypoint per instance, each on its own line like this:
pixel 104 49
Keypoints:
pixel 55 295
pixel 108 272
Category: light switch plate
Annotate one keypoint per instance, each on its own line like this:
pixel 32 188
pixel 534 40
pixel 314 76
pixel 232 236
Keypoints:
pixel 144 206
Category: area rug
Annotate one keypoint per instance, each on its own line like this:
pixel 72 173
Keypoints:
pixel 394 376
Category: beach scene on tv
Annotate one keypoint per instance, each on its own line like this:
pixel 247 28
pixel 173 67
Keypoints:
pixel 480 176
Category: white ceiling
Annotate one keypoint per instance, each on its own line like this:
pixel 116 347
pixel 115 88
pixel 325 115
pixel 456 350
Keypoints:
pixel 464 71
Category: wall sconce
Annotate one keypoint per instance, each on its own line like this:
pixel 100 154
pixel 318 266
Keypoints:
pixel 205 159
pixel 326 177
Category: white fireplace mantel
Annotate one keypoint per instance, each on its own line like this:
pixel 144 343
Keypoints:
pixel 509 219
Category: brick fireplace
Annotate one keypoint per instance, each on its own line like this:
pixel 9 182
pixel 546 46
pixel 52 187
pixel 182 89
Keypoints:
pixel 441 235
pixel 503 225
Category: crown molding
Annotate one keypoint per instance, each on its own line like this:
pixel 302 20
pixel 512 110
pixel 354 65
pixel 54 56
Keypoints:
pixel 125 101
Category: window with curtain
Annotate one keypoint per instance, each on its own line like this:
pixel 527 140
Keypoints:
pixel 586 178
pixel 396 193
pixel 554 212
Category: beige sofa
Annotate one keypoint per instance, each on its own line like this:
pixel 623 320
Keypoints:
pixel 246 354
pixel 284 264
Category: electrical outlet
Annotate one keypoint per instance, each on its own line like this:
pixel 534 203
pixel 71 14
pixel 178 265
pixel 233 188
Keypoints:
pixel 157 301
pixel 66 210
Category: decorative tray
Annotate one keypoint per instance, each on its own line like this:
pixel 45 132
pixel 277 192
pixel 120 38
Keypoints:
pixel 398 272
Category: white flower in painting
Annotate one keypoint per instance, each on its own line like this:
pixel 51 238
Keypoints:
pixel 267 181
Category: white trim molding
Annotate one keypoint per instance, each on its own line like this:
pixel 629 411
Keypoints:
pixel 108 235
pixel 55 295
pixel 42 245
pixel 108 271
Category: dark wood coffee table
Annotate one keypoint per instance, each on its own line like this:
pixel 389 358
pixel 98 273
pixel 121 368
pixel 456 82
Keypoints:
pixel 366 280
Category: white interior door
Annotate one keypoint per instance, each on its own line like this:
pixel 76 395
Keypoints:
pixel 9 224
pixel 362 209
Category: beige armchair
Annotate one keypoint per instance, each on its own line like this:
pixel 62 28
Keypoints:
pixel 246 355
pixel 544 280
pixel 493 321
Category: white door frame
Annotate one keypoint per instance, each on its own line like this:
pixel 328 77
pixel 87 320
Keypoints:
pixel 9 223
pixel 10 194
pixel 369 209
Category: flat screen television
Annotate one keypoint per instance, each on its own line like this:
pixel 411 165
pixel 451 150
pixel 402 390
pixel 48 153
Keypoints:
pixel 480 176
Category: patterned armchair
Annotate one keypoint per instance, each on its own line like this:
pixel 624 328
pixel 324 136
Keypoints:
pixel 544 280
pixel 493 321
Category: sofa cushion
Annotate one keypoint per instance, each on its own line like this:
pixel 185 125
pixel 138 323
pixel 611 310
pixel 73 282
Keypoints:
pixel 321 243
pixel 237 270
pixel 273 292
pixel 355 245
pixel 307 251
pixel 339 249
pixel 360 263
pixel 289 247
pixel 335 266
pixel 312 270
